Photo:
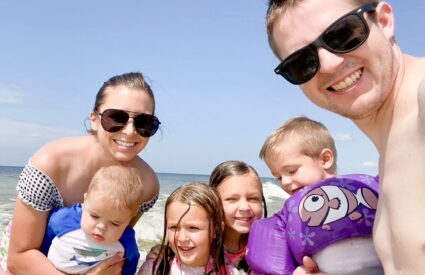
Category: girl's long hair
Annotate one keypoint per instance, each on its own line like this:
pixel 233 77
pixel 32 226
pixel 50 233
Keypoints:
pixel 206 197
pixel 229 169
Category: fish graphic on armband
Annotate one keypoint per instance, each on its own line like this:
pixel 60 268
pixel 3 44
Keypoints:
pixel 326 204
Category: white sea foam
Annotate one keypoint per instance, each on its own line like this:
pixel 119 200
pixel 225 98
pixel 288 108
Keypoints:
pixel 274 196
pixel 272 192
pixel 149 228
pixel 150 225
pixel 5 218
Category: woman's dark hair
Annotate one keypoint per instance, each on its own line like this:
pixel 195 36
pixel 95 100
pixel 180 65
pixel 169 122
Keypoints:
pixel 133 80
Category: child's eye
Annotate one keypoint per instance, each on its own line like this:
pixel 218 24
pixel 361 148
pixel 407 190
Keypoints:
pixel 193 228
pixel 230 199
pixel 172 228
pixel 115 224
pixel 292 172
pixel 94 216
pixel 254 199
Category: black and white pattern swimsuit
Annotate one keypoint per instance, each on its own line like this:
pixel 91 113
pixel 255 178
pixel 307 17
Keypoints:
pixel 38 190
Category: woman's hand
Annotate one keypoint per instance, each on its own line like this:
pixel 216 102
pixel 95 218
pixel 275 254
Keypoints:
pixel 111 266
pixel 308 267
pixel 154 252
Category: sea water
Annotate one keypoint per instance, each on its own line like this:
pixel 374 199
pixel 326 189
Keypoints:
pixel 149 229
pixel 8 180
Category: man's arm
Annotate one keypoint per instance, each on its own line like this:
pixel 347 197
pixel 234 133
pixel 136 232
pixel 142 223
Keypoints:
pixel 421 100
pixel 309 267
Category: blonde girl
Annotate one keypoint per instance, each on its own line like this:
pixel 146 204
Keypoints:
pixel 193 233
pixel 243 201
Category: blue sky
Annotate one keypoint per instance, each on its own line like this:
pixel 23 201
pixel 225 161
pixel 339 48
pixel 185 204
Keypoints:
pixel 208 62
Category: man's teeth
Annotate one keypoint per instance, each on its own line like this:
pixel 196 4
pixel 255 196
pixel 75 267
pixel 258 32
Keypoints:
pixel 348 81
pixel 124 143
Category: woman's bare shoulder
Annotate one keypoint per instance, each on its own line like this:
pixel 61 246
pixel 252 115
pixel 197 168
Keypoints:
pixel 56 156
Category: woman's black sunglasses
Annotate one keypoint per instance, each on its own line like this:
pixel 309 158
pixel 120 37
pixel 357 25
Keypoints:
pixel 114 120
pixel 344 35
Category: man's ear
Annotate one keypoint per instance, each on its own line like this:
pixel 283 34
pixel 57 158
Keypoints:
pixel 385 19
pixel 327 158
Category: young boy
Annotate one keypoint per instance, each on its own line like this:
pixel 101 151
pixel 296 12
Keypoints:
pixel 81 236
pixel 329 218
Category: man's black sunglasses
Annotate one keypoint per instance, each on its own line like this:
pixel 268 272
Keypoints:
pixel 344 35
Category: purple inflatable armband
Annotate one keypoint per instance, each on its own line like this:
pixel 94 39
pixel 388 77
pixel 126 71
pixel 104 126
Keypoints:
pixel 311 219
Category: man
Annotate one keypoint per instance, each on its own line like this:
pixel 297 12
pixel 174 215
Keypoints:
pixel 344 56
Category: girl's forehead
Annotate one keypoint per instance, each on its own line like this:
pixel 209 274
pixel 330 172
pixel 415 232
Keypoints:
pixel 181 216
pixel 177 209
pixel 240 183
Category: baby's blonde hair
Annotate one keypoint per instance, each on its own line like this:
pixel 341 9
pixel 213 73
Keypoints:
pixel 121 184
pixel 311 136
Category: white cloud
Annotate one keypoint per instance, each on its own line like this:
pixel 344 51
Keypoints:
pixel 370 164
pixel 19 140
pixel 343 137
pixel 15 131
pixel 11 94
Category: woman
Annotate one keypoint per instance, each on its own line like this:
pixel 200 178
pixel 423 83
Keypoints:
pixel 59 173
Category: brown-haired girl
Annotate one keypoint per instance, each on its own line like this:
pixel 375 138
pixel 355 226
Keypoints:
pixel 193 228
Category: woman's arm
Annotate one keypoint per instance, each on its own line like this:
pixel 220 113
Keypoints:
pixel 147 268
pixel 27 232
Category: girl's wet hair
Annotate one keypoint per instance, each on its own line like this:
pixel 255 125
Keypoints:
pixel 133 80
pixel 206 197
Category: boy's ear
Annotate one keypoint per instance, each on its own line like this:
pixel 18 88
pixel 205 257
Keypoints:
pixel 84 197
pixel 327 158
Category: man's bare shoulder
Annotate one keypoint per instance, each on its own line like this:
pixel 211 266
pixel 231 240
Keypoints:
pixel 421 91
